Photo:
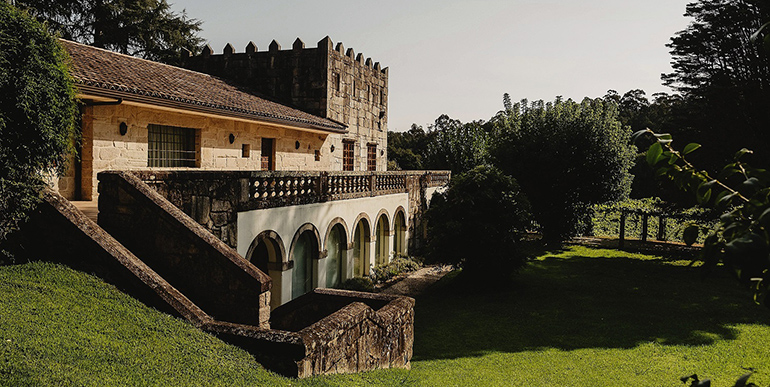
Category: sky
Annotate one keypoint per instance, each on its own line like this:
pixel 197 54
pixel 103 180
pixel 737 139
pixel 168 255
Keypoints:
pixel 459 57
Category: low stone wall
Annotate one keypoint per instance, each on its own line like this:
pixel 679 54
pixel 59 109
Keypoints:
pixel 202 267
pixel 346 334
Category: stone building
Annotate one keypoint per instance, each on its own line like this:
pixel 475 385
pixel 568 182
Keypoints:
pixel 232 192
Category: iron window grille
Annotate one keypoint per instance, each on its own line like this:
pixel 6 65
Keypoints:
pixel 170 146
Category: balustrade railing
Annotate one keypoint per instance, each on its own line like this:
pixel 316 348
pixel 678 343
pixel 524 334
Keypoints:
pixel 263 189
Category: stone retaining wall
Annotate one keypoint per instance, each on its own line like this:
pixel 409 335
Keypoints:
pixel 201 266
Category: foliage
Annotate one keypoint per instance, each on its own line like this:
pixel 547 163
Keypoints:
pixel 566 156
pixel 395 267
pixel 456 146
pixel 144 28
pixel 478 222
pixel 407 149
pixel 724 76
pixel 743 381
pixel 359 284
pixel 741 193
pixel 606 218
pixel 37 113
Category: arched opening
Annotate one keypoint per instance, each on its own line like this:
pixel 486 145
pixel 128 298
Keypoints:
pixel 361 249
pixel 336 246
pixel 268 255
pixel 304 251
pixel 382 243
pixel 399 233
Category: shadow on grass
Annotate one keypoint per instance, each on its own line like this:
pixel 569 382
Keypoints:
pixel 582 302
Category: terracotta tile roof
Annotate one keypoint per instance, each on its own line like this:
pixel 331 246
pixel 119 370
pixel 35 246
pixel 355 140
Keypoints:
pixel 106 73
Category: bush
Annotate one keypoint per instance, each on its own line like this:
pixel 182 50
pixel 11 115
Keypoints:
pixel 567 156
pixel 478 222
pixel 397 266
pixel 359 284
pixel 37 113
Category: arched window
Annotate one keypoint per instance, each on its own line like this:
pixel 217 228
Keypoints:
pixel 399 233
pixel 335 248
pixel 361 238
pixel 304 251
pixel 382 243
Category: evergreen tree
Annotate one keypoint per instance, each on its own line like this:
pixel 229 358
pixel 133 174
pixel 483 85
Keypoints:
pixel 724 76
pixel 143 28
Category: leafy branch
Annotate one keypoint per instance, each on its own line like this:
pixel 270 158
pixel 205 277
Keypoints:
pixel 740 192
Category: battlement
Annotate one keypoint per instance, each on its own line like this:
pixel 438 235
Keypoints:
pixel 327 80
pixel 298 47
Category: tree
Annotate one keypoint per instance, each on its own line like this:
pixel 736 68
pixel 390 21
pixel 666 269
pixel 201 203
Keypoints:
pixel 456 146
pixel 478 222
pixel 37 113
pixel 143 28
pixel 724 77
pixel 407 149
pixel 566 156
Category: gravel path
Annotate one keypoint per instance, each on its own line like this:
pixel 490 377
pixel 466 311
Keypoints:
pixel 418 281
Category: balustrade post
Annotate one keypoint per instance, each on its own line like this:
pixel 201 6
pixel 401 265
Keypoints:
pixel 372 183
pixel 661 228
pixel 644 227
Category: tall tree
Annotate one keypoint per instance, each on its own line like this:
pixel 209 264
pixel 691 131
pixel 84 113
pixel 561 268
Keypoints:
pixel 724 76
pixel 566 155
pixel 143 28
pixel 37 113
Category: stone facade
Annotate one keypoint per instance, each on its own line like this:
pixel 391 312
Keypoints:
pixel 105 148
pixel 325 80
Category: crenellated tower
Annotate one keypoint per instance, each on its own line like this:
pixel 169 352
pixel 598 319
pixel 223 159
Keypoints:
pixel 326 80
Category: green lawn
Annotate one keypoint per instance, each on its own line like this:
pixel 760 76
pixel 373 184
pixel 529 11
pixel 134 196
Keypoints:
pixel 577 317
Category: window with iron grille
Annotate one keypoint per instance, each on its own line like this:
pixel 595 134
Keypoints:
pixel 170 146
pixel 371 157
pixel 347 155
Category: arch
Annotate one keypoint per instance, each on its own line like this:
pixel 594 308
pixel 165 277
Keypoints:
pixel 359 218
pixel 336 247
pixel 362 236
pixel 382 239
pixel 305 251
pixel 267 252
pixel 399 231
pixel 333 223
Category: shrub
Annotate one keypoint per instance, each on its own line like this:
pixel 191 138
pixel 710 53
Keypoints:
pixel 37 113
pixel 567 156
pixel 478 222
pixel 394 268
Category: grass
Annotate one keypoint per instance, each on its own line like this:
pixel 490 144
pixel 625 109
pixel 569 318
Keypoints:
pixel 575 317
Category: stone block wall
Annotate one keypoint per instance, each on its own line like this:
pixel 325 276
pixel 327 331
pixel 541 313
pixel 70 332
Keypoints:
pixel 325 80
pixel 194 261
pixel 104 148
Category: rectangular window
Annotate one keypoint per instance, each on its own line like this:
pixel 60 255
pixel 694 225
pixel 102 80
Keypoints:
pixel 246 150
pixel 347 155
pixel 371 157
pixel 336 79
pixel 170 146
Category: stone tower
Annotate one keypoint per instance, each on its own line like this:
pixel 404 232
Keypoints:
pixel 325 80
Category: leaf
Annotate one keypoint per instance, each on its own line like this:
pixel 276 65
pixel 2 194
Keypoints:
pixel 691 147
pixel 742 152
pixel 764 219
pixel 690 234
pixel 639 133
pixel 673 158
pixel 655 151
